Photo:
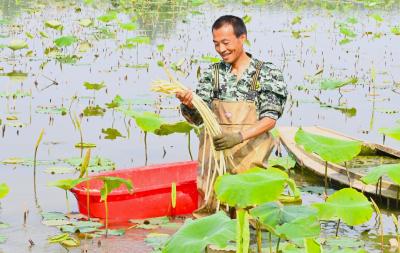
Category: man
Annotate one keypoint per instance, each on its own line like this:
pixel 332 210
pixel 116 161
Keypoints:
pixel 245 94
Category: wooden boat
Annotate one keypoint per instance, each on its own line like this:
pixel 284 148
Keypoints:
pixel 337 172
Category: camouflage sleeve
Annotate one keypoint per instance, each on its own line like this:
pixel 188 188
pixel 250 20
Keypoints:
pixel 204 91
pixel 272 92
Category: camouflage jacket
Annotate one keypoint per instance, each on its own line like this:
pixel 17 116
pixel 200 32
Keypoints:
pixel 269 95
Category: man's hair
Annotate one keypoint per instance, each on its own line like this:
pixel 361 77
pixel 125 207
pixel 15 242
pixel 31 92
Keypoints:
pixel 237 23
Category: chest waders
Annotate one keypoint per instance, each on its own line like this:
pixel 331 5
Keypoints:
pixel 235 116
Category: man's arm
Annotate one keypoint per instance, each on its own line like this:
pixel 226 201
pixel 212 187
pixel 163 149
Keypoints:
pixel 263 125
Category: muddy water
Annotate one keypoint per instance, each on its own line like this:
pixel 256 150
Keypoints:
pixel 185 32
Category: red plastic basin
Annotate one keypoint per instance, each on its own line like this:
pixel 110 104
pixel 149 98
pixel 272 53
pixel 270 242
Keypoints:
pixel 151 192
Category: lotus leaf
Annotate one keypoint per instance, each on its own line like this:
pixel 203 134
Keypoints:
pixel 346 204
pixel 114 232
pixel 391 170
pixel 55 24
pixel 330 149
pixel 4 190
pixel 286 162
pixel 178 127
pixel 94 86
pixel 3 239
pixel 253 187
pixel 67 184
pixel 195 235
pixel 128 26
pixel 65 41
pixel 111 133
pixel 93 111
pixel 330 84
pixel 53 216
pixel 112 183
pixel 86 22
pixel 108 17
pixel 393 132
pixel 17 44
pixel 148 121
pixel 139 40
pixel 246 19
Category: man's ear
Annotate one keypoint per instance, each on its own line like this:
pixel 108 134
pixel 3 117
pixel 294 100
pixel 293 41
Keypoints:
pixel 243 38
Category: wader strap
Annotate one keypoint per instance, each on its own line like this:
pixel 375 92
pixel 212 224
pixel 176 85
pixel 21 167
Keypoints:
pixel 256 75
pixel 216 81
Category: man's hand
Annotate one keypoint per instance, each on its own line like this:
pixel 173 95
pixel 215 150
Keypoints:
pixel 227 140
pixel 185 97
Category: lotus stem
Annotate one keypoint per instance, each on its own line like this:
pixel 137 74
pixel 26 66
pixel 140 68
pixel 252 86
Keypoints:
pixel 106 207
pixel 34 165
pixel 189 148
pixel 259 237
pixel 397 197
pixel 326 179
pixel 277 245
pixel 145 148
pixel 67 200
pixel 380 221
pixel 337 227
pixel 270 242
pixel 348 174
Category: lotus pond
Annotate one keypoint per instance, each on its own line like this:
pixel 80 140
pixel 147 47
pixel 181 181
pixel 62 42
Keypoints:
pixel 77 74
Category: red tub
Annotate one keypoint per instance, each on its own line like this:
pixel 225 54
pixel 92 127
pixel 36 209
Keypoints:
pixel 151 192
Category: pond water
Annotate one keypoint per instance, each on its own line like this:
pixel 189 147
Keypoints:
pixel 301 38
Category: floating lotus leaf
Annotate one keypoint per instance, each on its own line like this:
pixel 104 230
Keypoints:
pixel 346 204
pixel 86 22
pixel 253 187
pixel 43 34
pixel 211 59
pixel 94 86
pixel 65 41
pixel 53 216
pixel 195 235
pixel 113 232
pixel 17 44
pixel 3 239
pixel 128 26
pixel 390 170
pixel 330 149
pixel 54 24
pixel 139 40
pixel 85 145
pixel 393 132
pixel 108 17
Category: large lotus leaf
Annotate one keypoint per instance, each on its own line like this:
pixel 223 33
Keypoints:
pixel 393 132
pixel 178 127
pixel 17 44
pixel 148 121
pixel 347 204
pixel 112 183
pixel 253 187
pixel 391 170
pixel 330 149
pixel 65 41
pixel 195 235
pixel 307 227
pixel 67 184
pixel 273 214
pixel 4 190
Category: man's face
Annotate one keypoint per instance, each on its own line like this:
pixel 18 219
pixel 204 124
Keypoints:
pixel 228 46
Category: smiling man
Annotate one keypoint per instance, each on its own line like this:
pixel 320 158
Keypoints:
pixel 246 95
